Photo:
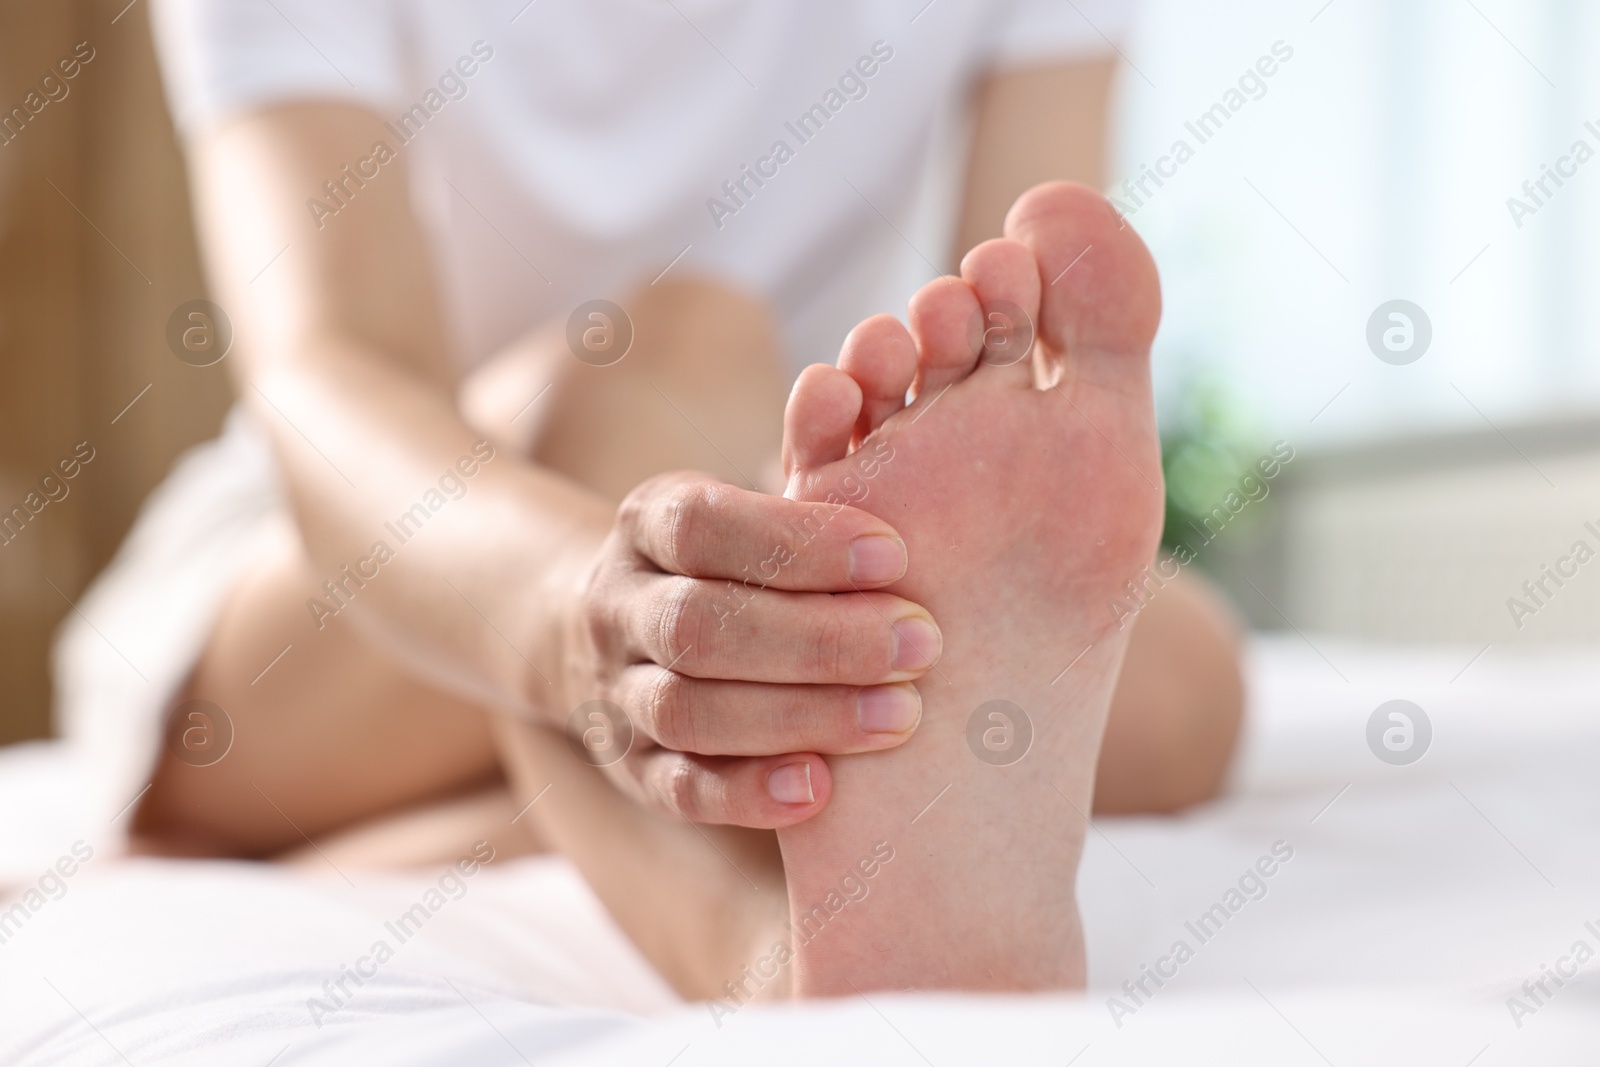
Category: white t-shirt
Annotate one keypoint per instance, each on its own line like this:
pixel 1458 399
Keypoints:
pixel 564 151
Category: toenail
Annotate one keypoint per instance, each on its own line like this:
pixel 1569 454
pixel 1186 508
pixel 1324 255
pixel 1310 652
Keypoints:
pixel 888 709
pixel 791 784
pixel 877 559
pixel 916 644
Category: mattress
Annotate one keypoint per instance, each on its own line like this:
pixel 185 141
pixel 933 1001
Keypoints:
pixel 1335 906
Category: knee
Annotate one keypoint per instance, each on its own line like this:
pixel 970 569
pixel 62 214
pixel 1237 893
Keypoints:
pixel 1178 708
pixel 683 316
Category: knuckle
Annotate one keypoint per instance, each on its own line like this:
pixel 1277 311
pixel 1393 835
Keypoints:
pixel 681 623
pixel 636 505
pixel 601 617
pixel 682 790
pixel 692 517
pixel 595 598
pixel 670 712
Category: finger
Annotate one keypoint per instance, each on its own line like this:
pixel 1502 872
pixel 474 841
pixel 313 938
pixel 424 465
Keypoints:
pixel 692 525
pixel 763 794
pixel 721 718
pixel 744 633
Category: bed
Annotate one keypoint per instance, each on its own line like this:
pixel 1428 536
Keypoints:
pixel 1337 908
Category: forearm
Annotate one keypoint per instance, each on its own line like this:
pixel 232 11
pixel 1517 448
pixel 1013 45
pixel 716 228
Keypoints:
pixel 341 351
pixel 467 577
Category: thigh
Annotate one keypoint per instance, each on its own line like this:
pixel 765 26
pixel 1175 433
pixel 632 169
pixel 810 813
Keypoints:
pixel 429 835
pixel 332 733
pixel 702 387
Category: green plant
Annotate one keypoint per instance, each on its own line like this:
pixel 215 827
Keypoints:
pixel 1207 442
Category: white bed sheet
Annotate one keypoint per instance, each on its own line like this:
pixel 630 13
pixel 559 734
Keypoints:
pixel 1417 901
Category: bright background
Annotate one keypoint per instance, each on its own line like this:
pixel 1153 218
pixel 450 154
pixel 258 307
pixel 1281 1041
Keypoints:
pixel 1376 166
pixel 1390 142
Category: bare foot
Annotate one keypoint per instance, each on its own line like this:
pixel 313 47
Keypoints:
pixel 1028 491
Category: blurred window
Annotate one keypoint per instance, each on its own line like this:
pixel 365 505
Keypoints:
pixel 1374 163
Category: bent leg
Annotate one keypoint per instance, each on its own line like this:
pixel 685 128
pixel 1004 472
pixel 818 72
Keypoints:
pixel 336 736
pixel 1175 718
pixel 332 734
pixel 337 733
pixel 702 388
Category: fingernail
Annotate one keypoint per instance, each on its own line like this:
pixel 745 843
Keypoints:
pixel 888 709
pixel 791 784
pixel 916 644
pixel 877 559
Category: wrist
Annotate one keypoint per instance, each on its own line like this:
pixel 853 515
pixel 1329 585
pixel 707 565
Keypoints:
pixel 569 678
pixel 548 544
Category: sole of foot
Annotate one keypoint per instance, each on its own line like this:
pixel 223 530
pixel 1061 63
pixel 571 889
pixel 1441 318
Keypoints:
pixel 1025 479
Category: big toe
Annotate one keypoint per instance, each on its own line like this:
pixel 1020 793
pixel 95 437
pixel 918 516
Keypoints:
pixel 1101 297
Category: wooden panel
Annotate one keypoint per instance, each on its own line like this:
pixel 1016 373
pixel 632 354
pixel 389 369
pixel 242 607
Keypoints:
pixel 96 249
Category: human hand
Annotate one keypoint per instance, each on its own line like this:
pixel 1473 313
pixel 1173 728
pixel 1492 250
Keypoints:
pixel 738 634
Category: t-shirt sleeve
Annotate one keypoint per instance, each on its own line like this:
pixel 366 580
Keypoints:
pixel 1034 31
pixel 221 58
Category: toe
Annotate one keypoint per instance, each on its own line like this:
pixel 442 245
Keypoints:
pixel 880 355
pixel 820 417
pixel 1101 298
pixel 944 323
pixel 1005 276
